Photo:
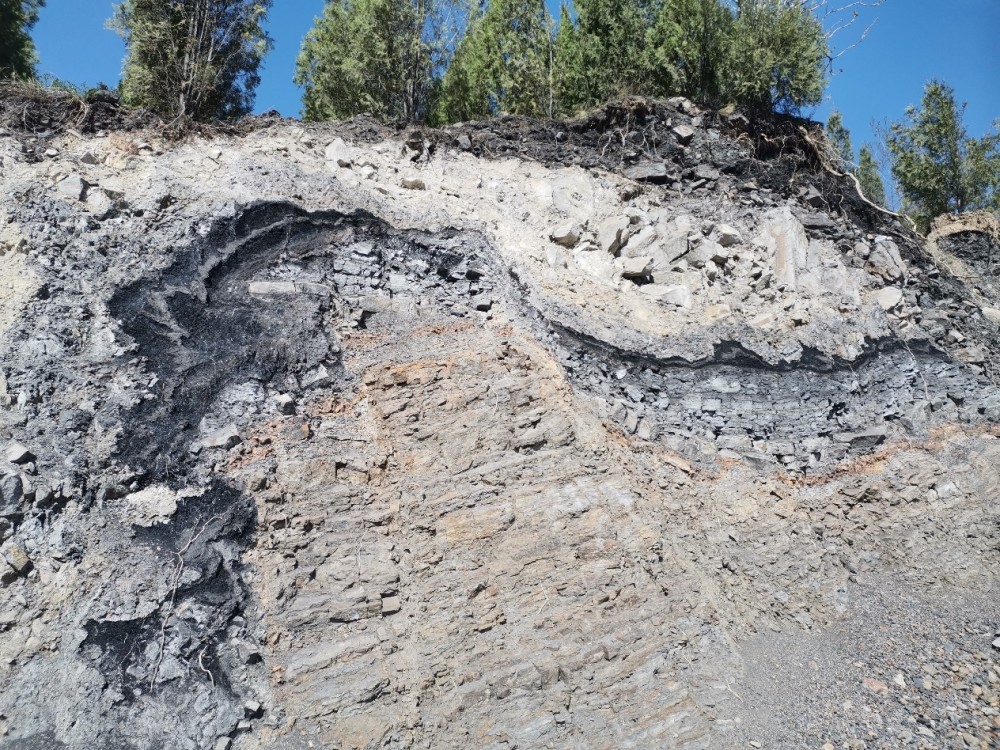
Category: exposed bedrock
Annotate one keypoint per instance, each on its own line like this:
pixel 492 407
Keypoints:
pixel 415 448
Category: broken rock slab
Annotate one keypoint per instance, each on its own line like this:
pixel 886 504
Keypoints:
pixel 636 267
pixel 224 438
pixel 567 234
pixel 18 454
pixel 641 243
pixel 272 288
pixel 889 298
pixel 16 556
pixel 992 315
pixel 813 197
pixel 706 172
pixel 654 172
pixel 152 506
pixel 886 261
pixel 714 313
pixel 72 186
pixel 788 245
pixel 285 403
pixel 11 492
pixel 339 153
pixel 677 295
pixel 684 134
pixel 611 232
pixel 726 235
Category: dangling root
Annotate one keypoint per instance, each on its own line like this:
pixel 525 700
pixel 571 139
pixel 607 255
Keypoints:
pixel 826 163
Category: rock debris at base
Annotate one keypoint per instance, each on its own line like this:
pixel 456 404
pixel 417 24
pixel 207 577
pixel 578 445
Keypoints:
pixel 630 432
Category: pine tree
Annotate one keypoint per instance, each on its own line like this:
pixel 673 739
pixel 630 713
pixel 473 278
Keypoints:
pixel 17 51
pixel 568 73
pixel 840 137
pixel 938 167
pixel 372 56
pixel 193 58
pixel 501 65
pixel 777 56
pixel 686 49
pixel 869 177
pixel 601 55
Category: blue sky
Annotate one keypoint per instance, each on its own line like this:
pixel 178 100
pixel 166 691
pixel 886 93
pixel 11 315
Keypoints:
pixel 913 41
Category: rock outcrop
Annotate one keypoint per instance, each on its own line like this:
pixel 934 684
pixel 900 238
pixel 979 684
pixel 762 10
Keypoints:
pixel 639 431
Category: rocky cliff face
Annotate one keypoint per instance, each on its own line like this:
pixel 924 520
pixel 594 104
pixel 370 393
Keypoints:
pixel 641 431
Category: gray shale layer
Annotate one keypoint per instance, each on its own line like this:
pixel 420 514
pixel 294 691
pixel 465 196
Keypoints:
pixel 630 432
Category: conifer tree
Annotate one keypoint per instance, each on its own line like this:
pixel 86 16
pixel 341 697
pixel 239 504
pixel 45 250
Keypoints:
pixel 503 64
pixel 939 168
pixel 568 73
pixel 601 55
pixel 777 56
pixel 686 49
pixel 193 58
pixel 17 51
pixel 840 137
pixel 372 56
pixel 869 177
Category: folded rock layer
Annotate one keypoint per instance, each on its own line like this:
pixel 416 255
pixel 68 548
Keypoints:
pixel 628 432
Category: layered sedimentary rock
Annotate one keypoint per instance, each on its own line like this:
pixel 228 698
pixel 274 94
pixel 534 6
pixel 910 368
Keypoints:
pixel 518 435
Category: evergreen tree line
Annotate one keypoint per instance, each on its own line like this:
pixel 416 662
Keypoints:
pixel 444 61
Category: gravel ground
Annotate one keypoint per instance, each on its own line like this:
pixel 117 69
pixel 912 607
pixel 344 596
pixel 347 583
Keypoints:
pixel 909 668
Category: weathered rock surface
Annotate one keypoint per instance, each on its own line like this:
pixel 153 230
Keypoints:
pixel 419 444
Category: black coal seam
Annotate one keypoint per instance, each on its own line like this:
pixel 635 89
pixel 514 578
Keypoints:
pixel 735 354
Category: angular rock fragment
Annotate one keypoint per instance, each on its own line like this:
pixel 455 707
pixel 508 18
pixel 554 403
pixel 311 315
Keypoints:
pixel 814 197
pixel 610 234
pixel 224 438
pixel 889 298
pixel 11 492
pixel 684 134
pixel 567 234
pixel 886 261
pixel 285 403
pixel 18 454
pixel 706 172
pixel 339 153
pixel 677 295
pixel 654 172
pixel 73 187
pixel 17 557
pixel 726 235
pixel 636 267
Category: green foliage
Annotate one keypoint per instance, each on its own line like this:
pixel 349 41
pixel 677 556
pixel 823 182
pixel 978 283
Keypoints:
pixel 374 56
pixel 938 167
pixel 762 54
pixel 567 71
pixel 869 177
pixel 194 58
pixel 389 57
pixel 602 54
pixel 686 50
pixel 501 65
pixel 17 51
pixel 840 137
pixel 777 56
